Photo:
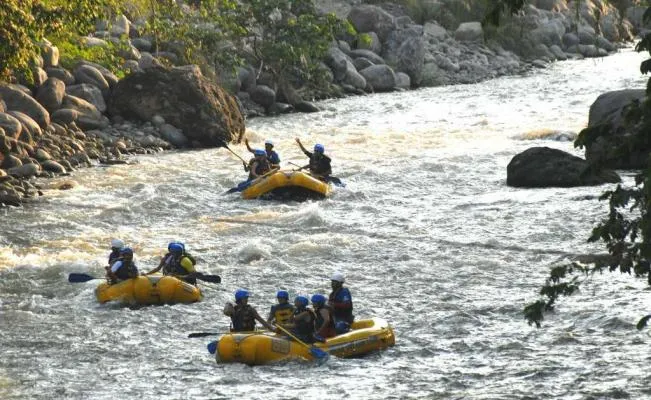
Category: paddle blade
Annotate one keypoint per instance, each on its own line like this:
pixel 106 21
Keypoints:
pixel 209 278
pixel 318 353
pixel 77 278
pixel 202 334
pixel 212 347
pixel 642 323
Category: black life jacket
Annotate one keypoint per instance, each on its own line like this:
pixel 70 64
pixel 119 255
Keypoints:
pixel 262 167
pixel 320 165
pixel 243 318
pixel 304 329
pixel 172 265
pixel 282 313
pixel 318 323
pixel 127 270
pixel 114 256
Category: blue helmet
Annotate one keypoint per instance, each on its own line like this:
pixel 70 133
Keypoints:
pixel 318 299
pixel 282 294
pixel 342 327
pixel 241 294
pixel 302 300
pixel 259 152
pixel 175 248
pixel 319 148
pixel 126 251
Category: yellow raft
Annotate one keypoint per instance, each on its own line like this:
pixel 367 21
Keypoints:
pixel 150 289
pixel 287 185
pixel 258 348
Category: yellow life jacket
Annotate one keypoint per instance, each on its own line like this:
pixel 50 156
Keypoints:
pixel 282 313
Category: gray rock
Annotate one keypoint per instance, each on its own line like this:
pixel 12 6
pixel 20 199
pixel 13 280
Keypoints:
pixel 361 62
pixel 353 78
pixel 90 93
pixel 157 121
pixel 380 77
pixel 89 122
pixel 28 124
pixel 51 93
pixel 25 171
pixel 403 81
pixel 263 95
pixel 120 26
pixel 368 54
pixel 107 74
pixel 434 32
pixel 50 55
pixel 557 52
pixel 369 41
pixel 10 161
pixel 411 58
pixel 141 44
pixel 605 44
pixel 17 100
pixel 343 46
pixel 53 166
pixel 336 60
pixel 65 116
pixel 11 126
pixel 570 40
pixel 147 61
pixel 39 75
pixel 587 35
pixel 469 32
pixel 546 167
pixel 306 107
pixel 90 41
pixel 173 135
pixel 280 108
pixel 246 76
pixel 370 18
pixel 82 106
pixel 42 155
pixel 92 76
pixel 61 74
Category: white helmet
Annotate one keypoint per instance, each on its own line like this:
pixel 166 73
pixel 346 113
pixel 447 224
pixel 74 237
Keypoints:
pixel 117 243
pixel 269 142
pixel 338 276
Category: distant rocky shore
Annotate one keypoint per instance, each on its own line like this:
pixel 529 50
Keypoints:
pixel 70 118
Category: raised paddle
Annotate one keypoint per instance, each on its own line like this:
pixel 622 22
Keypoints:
pixel 642 323
pixel 203 334
pixel 315 351
pixel 77 278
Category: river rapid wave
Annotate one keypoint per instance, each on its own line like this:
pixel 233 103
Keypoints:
pixel 426 231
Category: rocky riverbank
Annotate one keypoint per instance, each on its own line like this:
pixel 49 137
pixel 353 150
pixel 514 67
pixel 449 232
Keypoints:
pixel 70 118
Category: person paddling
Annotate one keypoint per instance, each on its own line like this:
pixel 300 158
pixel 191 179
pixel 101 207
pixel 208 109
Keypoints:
pixel 319 165
pixel 116 245
pixel 122 269
pixel 177 263
pixel 340 299
pixel 281 313
pixel 258 165
pixel 243 316
pixel 272 156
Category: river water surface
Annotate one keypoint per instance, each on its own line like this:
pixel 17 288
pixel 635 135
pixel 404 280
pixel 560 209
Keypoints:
pixel 426 231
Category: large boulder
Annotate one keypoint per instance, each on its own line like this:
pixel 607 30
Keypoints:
pixel 11 126
pixel 90 93
pixel 370 18
pixel 380 77
pixel 17 100
pixel 606 116
pixel 204 112
pixel 91 75
pixel 540 167
pixel 51 93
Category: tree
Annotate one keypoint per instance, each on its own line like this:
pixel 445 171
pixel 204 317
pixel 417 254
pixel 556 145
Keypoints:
pixel 626 231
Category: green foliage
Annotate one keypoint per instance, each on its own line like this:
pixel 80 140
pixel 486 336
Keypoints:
pixel 19 33
pixel 72 51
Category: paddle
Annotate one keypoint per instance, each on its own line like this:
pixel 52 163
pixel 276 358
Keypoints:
pixel 208 278
pixel 203 334
pixel 77 278
pixel 212 347
pixel 315 351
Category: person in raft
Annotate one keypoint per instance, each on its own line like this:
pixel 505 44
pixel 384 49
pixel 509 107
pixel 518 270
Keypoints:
pixel 116 245
pixel 177 263
pixel 281 313
pixel 272 156
pixel 303 320
pixel 324 325
pixel 319 165
pixel 243 316
pixel 258 165
pixel 123 268
pixel 340 299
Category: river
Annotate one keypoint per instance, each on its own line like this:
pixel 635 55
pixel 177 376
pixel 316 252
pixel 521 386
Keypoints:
pixel 426 231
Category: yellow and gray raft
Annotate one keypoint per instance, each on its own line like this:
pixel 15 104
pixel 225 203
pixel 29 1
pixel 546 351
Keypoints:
pixel 294 185
pixel 149 290
pixel 258 348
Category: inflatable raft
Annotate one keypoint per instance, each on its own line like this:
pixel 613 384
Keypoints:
pixel 258 348
pixel 295 185
pixel 150 289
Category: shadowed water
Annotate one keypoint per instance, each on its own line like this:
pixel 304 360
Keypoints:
pixel 426 231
